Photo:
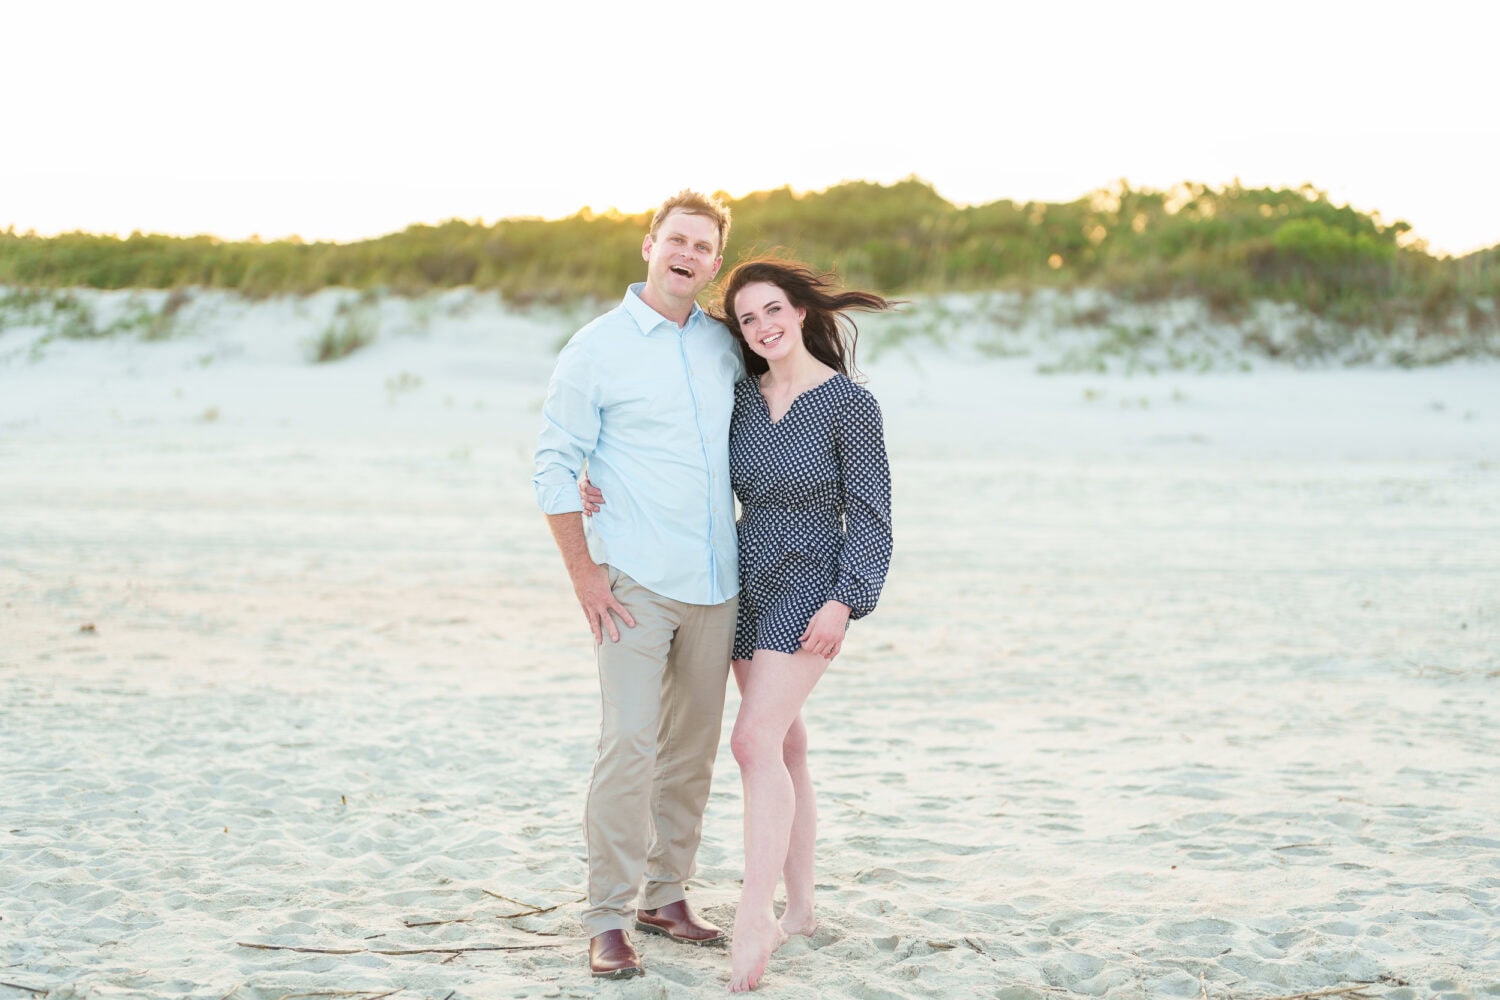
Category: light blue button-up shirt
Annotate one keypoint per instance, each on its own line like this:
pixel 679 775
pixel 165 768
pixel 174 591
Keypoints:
pixel 648 406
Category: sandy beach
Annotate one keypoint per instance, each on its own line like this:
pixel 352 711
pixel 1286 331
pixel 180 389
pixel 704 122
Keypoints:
pixel 1185 684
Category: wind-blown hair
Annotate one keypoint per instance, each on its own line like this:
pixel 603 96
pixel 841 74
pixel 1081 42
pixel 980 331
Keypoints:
pixel 693 203
pixel 827 331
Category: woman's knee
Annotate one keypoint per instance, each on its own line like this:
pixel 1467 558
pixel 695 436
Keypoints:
pixel 752 744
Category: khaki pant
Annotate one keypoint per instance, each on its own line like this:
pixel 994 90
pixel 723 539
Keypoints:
pixel 663 692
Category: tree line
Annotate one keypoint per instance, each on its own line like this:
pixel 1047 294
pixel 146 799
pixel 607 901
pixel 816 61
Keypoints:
pixel 1230 246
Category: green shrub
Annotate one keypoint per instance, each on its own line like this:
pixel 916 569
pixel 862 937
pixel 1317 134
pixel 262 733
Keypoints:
pixel 1230 246
pixel 352 328
pixel 73 319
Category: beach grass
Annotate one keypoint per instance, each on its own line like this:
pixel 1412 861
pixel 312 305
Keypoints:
pixel 1228 246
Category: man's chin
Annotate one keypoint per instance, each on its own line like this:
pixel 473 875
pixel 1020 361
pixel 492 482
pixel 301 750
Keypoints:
pixel 684 289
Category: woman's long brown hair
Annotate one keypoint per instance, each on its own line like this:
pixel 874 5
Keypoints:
pixel 827 330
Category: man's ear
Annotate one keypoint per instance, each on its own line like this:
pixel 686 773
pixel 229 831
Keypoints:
pixel 646 245
pixel 718 263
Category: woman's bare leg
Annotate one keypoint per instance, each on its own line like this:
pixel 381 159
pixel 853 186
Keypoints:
pixel 774 687
pixel 797 873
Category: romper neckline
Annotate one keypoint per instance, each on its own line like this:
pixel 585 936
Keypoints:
pixel 766 404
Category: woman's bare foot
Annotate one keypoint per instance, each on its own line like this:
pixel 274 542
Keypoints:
pixel 755 938
pixel 799 922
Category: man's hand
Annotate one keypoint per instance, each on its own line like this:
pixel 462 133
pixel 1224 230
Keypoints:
pixel 598 601
pixel 590 580
pixel 824 635
pixel 591 495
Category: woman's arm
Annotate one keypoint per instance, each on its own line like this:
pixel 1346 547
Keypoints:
pixel 865 485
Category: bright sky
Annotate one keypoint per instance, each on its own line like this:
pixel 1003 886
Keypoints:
pixel 340 120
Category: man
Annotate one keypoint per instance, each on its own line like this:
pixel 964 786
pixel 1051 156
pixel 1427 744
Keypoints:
pixel 644 395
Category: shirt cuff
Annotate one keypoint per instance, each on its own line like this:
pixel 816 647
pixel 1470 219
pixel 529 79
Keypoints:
pixel 558 499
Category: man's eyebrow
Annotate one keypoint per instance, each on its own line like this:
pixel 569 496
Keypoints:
pixel 669 233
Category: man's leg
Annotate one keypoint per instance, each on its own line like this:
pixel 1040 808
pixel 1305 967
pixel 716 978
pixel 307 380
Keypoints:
pixel 692 711
pixel 617 816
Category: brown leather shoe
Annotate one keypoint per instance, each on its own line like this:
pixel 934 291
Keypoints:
pixel 612 956
pixel 678 922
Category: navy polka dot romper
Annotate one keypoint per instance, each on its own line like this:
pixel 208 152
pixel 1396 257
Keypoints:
pixel 815 497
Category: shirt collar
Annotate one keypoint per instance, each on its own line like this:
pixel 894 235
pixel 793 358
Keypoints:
pixel 648 319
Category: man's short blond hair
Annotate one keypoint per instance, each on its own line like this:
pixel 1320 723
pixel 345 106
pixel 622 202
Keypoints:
pixel 694 203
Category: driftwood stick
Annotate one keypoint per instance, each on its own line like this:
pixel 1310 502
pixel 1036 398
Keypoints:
pixel 312 951
pixel 487 892
pixel 462 951
pixel 1356 991
pixel 532 910
pixel 526 913
pixel 391 951
pixel 436 923
pixel 32 989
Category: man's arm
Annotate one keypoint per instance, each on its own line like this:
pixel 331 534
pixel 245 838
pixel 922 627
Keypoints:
pixel 570 430
pixel 590 580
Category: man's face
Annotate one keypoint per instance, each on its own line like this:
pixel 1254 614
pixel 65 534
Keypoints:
pixel 682 257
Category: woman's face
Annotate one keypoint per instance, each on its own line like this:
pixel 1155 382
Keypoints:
pixel 770 324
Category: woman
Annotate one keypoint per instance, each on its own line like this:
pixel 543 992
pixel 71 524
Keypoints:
pixel 808 465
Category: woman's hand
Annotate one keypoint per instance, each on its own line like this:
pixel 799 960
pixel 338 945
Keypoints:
pixel 591 496
pixel 824 635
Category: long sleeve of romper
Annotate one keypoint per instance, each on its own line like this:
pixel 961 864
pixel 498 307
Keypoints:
pixel 865 487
